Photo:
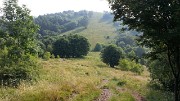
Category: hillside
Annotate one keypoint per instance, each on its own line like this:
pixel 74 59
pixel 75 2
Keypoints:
pixel 86 23
pixel 84 56
pixel 97 31
pixel 86 79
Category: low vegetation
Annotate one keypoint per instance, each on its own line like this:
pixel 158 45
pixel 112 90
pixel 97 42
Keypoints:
pixel 128 65
pixel 81 80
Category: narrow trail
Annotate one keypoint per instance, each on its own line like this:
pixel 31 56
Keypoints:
pixel 136 95
pixel 106 93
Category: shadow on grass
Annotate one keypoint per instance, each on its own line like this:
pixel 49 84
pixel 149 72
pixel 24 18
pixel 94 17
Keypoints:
pixel 153 95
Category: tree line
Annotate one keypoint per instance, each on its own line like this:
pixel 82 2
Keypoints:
pixel 53 24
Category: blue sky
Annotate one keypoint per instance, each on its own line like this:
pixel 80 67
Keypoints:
pixel 40 7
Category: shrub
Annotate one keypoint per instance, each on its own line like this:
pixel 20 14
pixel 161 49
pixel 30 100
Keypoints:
pixel 132 66
pixel 137 68
pixel 111 55
pixel 98 47
pixel 125 65
pixel 52 56
pixel 47 55
pixel 12 73
pixel 58 56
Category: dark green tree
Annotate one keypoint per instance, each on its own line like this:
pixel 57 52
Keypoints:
pixel 54 24
pixel 61 48
pixel 159 20
pixel 71 46
pixel 111 55
pixel 161 77
pixel 19 44
pixel 98 47
pixel 84 21
pixel 79 45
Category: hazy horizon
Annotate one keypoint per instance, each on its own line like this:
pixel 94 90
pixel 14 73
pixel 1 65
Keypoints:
pixel 40 7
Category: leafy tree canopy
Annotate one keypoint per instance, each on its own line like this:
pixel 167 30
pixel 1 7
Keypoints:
pixel 111 55
pixel 53 24
pixel 18 34
pixel 159 20
pixel 71 46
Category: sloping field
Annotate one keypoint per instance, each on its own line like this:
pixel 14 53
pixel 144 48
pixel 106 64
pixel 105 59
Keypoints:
pixel 86 79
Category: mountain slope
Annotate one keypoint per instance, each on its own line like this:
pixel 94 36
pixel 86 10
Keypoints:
pixel 97 31
pixel 86 79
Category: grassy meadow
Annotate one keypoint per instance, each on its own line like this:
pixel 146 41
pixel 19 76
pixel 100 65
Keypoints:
pixel 83 79
pixel 97 31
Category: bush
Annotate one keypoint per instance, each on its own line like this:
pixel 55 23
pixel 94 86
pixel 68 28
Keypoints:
pixel 58 56
pixel 12 73
pixel 111 55
pixel 47 55
pixel 98 47
pixel 125 65
pixel 132 66
pixel 52 56
pixel 161 77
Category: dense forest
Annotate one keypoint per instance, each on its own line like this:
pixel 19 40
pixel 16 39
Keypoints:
pixel 53 24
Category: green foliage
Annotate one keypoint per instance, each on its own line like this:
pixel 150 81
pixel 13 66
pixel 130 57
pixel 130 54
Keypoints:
pixel 160 23
pixel 52 56
pixel 54 24
pixel 161 77
pixel 126 41
pixel 111 55
pixel 98 47
pixel 131 54
pixel 47 55
pixel 84 21
pixel 58 56
pixel 19 44
pixel 47 43
pixel 13 72
pixel 71 46
pixel 119 82
pixel 128 65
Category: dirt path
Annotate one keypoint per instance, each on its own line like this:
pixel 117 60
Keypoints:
pixel 136 95
pixel 106 93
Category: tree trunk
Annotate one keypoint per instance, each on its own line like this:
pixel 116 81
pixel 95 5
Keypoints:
pixel 176 89
pixel 175 67
pixel 111 65
pixel 176 86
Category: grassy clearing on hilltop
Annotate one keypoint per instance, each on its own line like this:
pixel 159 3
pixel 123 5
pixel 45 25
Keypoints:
pixel 80 80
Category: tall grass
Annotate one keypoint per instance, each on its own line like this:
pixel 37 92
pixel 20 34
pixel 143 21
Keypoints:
pixel 79 80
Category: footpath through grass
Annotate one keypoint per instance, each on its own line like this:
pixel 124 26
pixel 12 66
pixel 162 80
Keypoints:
pixel 81 80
